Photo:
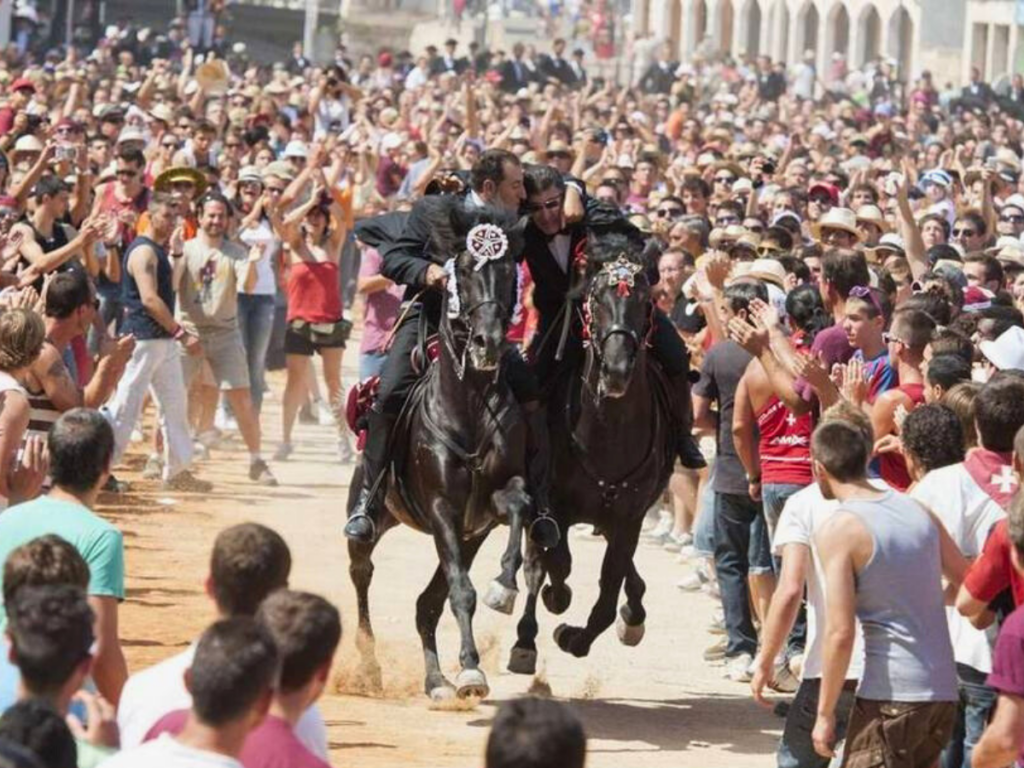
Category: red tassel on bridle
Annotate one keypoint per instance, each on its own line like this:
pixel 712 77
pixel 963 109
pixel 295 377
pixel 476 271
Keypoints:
pixel 623 289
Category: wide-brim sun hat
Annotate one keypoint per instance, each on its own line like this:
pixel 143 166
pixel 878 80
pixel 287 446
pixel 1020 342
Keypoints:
pixel 180 173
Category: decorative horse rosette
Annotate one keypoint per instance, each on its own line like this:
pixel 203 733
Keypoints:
pixel 620 273
pixel 485 243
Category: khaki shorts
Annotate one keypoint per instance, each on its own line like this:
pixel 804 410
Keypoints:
pixel 223 363
pixel 895 734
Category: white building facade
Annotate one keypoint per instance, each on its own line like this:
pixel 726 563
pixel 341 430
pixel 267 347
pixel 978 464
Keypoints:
pixel 944 36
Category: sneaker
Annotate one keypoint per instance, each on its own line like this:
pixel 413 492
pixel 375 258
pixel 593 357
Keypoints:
pixel 345 453
pixel 325 416
pixel 716 651
pixel 307 415
pixel 113 485
pixel 783 679
pixel 676 541
pixel 284 450
pixel 200 452
pixel 686 553
pixel 187 482
pixel 662 529
pixel 695 581
pixel 211 438
pixel 738 669
pixel 259 473
pixel 136 436
pixel 225 421
pixel 711 589
pixel 154 468
pixel 796 665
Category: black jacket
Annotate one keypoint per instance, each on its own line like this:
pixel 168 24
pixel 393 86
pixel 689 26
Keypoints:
pixel 457 66
pixel 510 80
pixel 559 69
pixel 658 79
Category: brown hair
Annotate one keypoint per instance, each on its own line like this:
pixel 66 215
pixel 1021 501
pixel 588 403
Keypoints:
pixel 21 338
pixel 961 399
pixel 249 561
pixel 45 560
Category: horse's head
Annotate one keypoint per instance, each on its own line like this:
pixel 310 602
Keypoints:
pixel 480 245
pixel 618 305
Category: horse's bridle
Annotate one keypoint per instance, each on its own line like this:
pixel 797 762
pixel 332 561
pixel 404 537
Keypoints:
pixel 465 319
pixel 621 273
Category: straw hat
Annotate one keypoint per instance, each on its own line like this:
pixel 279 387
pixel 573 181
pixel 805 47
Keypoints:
pixel 872 214
pixel 837 218
pixel 213 77
pixel 180 173
pixel 768 270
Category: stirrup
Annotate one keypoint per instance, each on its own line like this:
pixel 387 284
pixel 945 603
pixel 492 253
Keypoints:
pixel 538 535
pixel 373 528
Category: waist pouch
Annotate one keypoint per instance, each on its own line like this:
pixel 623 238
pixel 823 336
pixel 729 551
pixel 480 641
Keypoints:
pixel 325 334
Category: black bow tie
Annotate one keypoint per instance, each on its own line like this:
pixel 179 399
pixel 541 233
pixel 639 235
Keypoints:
pixel 550 238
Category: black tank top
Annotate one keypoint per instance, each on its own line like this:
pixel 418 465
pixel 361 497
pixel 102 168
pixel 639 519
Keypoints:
pixel 137 320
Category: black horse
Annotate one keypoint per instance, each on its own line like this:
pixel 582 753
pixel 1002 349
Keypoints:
pixel 459 447
pixel 613 439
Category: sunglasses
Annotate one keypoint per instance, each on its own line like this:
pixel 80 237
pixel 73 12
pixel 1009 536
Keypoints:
pixel 170 145
pixel 866 294
pixel 275 190
pixel 964 233
pixel 550 205
pixel 665 212
pixel 232 145
pixel 725 179
pixel 1012 219
pixel 125 173
pixel 888 338
pixel 727 220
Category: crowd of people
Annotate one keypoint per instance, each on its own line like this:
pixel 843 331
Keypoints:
pixel 844 266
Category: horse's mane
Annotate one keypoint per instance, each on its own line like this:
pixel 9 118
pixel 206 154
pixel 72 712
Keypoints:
pixel 604 248
pixel 450 220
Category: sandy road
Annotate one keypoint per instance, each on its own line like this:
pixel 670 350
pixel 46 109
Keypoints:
pixel 655 705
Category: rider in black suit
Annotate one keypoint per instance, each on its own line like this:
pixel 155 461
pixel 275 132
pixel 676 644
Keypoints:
pixel 661 75
pixel 555 67
pixel 551 249
pixel 514 72
pixel 496 181
pixel 449 62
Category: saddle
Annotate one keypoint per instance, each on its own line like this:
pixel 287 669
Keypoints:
pixel 363 395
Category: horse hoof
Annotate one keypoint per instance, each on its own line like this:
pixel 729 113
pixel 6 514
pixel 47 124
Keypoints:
pixel 500 598
pixel 442 693
pixel 556 599
pixel 570 640
pixel 629 634
pixel 471 684
pixel 523 661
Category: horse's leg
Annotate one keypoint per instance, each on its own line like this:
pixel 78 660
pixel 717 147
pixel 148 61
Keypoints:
pixel 523 660
pixel 630 624
pixel 360 570
pixel 622 541
pixel 429 607
pixel 557 562
pixel 512 502
pixel 446 524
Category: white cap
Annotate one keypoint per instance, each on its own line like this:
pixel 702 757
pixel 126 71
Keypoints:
pixel 1007 352
pixel 296 148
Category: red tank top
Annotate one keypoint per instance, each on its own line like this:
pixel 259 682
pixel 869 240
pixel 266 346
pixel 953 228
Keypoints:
pixel 892 467
pixel 785 445
pixel 314 292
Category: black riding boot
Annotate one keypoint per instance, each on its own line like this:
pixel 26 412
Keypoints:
pixel 682 408
pixel 364 519
pixel 543 529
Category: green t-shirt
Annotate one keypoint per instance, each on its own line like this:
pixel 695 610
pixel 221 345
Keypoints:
pixel 98 542
pixel 91 756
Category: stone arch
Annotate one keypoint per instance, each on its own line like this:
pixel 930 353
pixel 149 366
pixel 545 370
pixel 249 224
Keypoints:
pixel 751 42
pixel 838 32
pixel 901 41
pixel 870 35
pixel 809 23
pixel 727 21
pixel 675 26
pixel 700 19
pixel 781 24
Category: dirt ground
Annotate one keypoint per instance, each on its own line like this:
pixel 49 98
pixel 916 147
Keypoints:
pixel 657 704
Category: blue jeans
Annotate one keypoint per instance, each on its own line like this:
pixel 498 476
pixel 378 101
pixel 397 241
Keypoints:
pixel 735 516
pixel 371 364
pixel 704 528
pixel 796 750
pixel 977 701
pixel 774 497
pixel 255 321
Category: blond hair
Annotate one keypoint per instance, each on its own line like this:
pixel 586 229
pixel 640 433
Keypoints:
pixel 22 333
